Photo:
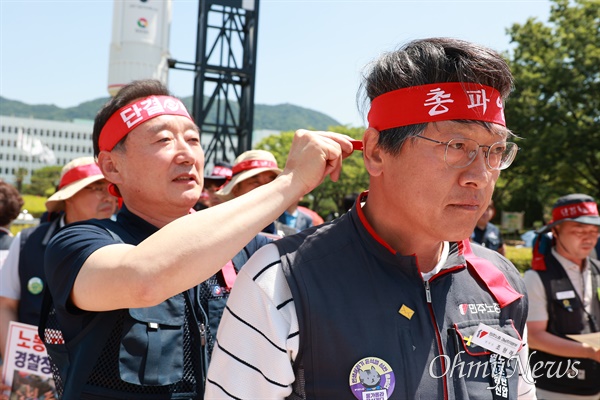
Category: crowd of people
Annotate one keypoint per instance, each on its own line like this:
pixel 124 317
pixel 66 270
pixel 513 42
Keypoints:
pixel 160 280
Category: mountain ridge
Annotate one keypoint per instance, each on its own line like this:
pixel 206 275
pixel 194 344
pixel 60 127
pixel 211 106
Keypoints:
pixel 279 117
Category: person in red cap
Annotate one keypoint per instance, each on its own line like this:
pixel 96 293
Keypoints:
pixel 124 319
pixel 252 169
pixel 215 180
pixel 564 298
pixel 81 195
pixel 389 300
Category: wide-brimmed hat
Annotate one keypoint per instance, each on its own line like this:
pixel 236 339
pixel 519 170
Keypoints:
pixel 573 207
pixel 74 176
pixel 248 164
pixel 220 173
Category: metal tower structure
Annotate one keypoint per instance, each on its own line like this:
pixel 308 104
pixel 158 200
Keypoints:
pixel 225 68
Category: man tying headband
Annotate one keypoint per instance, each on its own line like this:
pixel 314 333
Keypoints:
pixel 124 319
pixel 390 301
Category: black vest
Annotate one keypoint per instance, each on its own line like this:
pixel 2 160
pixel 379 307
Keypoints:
pixel 214 292
pixel 5 240
pixel 567 316
pixel 31 270
pixel 144 353
pixel 357 301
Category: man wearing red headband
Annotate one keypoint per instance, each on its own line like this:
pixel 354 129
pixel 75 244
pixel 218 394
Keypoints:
pixel 81 195
pixel 391 300
pixel 564 298
pixel 219 176
pixel 252 169
pixel 124 319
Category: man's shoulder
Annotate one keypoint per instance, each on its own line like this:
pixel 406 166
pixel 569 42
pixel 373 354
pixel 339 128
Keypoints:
pixel 317 240
pixel 82 234
pixel 503 264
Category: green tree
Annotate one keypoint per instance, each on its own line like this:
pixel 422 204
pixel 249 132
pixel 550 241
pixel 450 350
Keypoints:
pixel 43 181
pixel 20 177
pixel 328 196
pixel 555 108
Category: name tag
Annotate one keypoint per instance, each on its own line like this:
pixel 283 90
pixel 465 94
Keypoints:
pixel 567 294
pixel 495 341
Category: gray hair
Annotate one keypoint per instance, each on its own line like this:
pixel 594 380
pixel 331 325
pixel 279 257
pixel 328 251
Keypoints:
pixel 428 61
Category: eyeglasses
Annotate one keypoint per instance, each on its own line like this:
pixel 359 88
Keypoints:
pixel 99 191
pixel 460 152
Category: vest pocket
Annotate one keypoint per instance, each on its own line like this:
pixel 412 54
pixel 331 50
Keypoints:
pixel 151 349
pixel 472 366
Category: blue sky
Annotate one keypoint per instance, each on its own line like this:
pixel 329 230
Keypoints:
pixel 310 53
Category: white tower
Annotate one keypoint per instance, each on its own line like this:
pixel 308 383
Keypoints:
pixel 139 48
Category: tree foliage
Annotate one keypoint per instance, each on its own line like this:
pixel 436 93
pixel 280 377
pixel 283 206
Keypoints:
pixel 555 108
pixel 328 196
pixel 43 181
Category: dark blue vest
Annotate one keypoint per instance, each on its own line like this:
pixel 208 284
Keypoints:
pixel 214 292
pixel 5 240
pixel 567 316
pixel 144 353
pixel 31 270
pixel 357 301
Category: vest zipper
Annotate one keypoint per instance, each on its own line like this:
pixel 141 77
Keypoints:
pixel 437 336
pixel 427 292
pixel 202 334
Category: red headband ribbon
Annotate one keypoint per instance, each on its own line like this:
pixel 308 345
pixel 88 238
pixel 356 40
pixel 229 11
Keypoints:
pixel 132 115
pixel 222 171
pixel 252 164
pixel 436 102
pixel 575 210
pixel 77 173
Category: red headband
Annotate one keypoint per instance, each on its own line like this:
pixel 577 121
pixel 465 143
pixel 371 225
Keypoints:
pixel 252 164
pixel 78 173
pixel 132 115
pixel 222 171
pixel 575 210
pixel 436 102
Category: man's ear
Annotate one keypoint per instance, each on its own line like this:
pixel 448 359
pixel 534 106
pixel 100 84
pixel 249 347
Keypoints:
pixel 372 152
pixel 109 165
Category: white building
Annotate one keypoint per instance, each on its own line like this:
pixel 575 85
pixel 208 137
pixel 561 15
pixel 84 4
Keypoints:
pixel 35 143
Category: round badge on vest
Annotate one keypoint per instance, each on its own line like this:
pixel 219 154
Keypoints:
pixel 35 285
pixel 372 378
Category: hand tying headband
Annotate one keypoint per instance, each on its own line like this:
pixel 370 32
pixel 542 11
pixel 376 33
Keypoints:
pixel 132 115
pixel 436 102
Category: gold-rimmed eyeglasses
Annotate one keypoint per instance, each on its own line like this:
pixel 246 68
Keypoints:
pixel 460 152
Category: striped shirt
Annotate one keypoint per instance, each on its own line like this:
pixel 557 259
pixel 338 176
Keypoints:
pixel 258 338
